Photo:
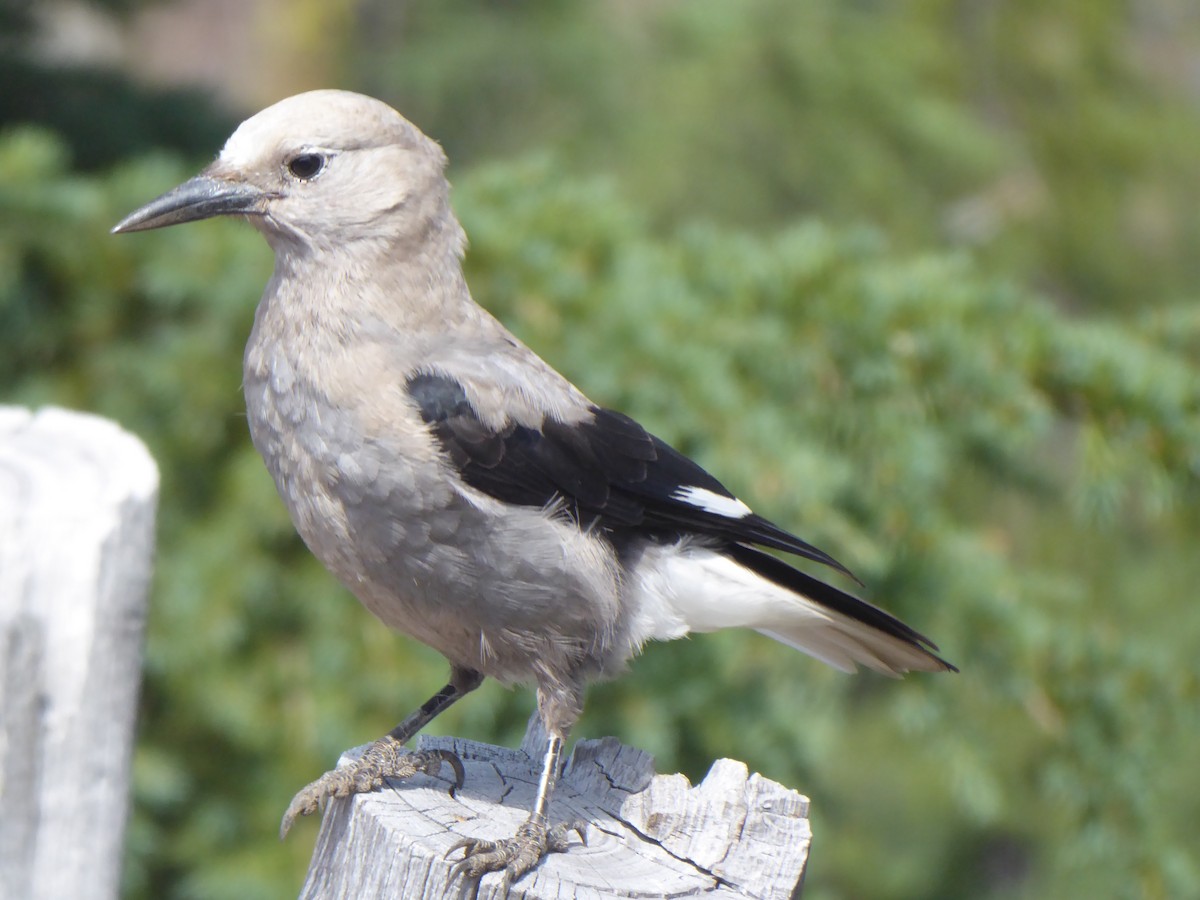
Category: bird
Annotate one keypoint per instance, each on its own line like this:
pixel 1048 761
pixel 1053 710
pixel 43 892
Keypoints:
pixel 464 491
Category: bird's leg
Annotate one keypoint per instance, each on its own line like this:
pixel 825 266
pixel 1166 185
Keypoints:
pixel 387 758
pixel 535 838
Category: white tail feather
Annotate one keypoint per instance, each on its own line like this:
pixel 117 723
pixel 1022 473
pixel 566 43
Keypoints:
pixel 687 587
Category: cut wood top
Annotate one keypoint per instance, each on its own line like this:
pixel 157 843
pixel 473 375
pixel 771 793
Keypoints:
pixel 735 834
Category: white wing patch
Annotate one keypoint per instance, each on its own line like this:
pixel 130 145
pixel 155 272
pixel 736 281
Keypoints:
pixel 710 501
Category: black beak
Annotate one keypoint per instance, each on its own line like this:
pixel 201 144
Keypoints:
pixel 201 197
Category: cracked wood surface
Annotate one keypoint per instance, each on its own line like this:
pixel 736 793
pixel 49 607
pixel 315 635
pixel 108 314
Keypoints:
pixel 735 834
pixel 77 503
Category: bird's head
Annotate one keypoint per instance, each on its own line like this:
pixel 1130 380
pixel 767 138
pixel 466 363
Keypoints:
pixel 321 169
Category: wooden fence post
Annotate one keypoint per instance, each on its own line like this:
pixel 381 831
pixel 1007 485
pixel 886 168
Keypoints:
pixel 733 835
pixel 77 503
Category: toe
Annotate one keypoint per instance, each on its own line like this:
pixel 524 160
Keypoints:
pixel 515 855
pixel 306 802
pixel 383 759
pixel 469 845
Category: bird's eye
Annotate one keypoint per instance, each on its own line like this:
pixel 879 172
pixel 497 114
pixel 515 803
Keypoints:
pixel 306 166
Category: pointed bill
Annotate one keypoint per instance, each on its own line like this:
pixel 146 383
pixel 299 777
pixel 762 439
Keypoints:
pixel 201 197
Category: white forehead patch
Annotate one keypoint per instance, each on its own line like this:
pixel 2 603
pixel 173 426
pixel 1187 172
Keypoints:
pixel 252 139
pixel 237 150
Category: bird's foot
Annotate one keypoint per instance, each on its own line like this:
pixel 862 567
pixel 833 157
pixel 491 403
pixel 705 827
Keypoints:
pixel 518 854
pixel 386 758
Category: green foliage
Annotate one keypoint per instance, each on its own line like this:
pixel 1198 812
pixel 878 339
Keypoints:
pixel 986 401
pixel 104 116
pixel 1056 139
pixel 1011 480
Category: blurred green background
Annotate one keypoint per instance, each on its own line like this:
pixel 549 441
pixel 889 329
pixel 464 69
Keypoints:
pixel 918 279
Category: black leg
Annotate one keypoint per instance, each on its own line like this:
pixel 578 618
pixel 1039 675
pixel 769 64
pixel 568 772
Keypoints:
pixel 462 682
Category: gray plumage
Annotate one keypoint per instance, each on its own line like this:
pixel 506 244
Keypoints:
pixel 462 489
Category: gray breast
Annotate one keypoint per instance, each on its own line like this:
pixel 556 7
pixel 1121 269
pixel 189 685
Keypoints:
pixel 514 592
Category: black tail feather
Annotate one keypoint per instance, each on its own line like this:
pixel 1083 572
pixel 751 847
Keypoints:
pixel 784 575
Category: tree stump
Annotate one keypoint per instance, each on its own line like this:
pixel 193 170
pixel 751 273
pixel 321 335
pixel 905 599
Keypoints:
pixel 733 835
pixel 77 503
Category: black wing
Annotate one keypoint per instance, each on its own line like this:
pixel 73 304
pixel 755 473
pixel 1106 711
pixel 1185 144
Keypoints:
pixel 608 472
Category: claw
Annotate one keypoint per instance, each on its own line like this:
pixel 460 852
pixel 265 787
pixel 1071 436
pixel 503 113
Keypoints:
pixel 469 845
pixel 385 758
pixel 559 835
pixel 455 763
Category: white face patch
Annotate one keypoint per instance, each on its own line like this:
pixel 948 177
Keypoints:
pixel 243 147
pixel 710 501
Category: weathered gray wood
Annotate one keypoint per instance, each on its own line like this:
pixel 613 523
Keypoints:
pixel 77 502
pixel 733 835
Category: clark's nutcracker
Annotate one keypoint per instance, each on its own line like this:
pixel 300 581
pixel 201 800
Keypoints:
pixel 464 491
